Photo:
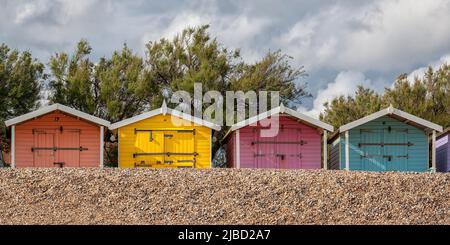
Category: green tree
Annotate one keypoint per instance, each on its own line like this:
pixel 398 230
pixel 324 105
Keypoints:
pixel 343 110
pixel 191 57
pixel 125 89
pixel 407 96
pixel 272 73
pixel 21 77
pixel 427 97
pixel 72 81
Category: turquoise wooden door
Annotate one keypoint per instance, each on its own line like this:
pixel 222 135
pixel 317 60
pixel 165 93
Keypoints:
pixel 371 150
pixel 395 149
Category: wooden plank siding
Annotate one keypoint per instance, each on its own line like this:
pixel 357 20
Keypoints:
pixel 334 160
pixel 88 138
pixel 417 160
pixel 128 139
pixel 308 154
pixel 443 154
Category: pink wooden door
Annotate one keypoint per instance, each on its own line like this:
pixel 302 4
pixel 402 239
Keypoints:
pixel 43 150
pixel 69 148
pixel 266 151
pixel 289 148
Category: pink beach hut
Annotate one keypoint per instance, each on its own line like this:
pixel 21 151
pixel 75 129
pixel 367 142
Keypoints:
pixel 297 144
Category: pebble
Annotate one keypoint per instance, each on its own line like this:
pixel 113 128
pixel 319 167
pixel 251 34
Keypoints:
pixel 221 196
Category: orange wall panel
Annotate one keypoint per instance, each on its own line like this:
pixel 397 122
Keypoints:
pixel 89 138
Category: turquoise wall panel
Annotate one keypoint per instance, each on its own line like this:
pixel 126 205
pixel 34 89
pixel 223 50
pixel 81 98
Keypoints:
pixel 386 144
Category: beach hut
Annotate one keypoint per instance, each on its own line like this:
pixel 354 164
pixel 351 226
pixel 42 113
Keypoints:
pixel 443 151
pixel 56 136
pixel 164 138
pixel 388 140
pixel 296 142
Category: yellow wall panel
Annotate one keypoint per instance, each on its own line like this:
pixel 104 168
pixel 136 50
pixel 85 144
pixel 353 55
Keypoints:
pixel 165 137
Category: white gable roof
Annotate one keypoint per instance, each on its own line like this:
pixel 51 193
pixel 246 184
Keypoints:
pixel 56 107
pixel 282 110
pixel 164 110
pixel 392 111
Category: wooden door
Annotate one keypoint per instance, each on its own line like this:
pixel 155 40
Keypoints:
pixel 44 153
pixel 372 151
pixel 69 148
pixel 289 148
pixel 396 149
pixel 149 149
pixel 266 151
pixel 180 148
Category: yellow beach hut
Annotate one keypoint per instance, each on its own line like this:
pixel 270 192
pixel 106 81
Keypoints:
pixel 164 138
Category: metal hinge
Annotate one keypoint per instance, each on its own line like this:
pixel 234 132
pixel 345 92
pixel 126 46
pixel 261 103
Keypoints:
pixel 58 149
pixel 301 142
pixel 385 144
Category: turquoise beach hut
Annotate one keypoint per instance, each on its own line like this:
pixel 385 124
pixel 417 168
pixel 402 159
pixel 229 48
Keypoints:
pixel 388 140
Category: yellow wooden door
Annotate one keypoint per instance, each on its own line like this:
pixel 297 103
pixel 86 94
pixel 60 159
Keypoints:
pixel 180 148
pixel 149 149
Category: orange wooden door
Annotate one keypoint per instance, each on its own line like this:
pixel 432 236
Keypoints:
pixel 43 150
pixel 69 148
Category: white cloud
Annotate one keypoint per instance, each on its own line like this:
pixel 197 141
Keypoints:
pixel 76 8
pixel 383 35
pixel 345 84
pixel 29 10
pixel 63 10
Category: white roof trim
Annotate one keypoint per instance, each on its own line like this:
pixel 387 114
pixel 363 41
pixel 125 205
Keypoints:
pixel 282 110
pixel 56 107
pixel 164 110
pixel 391 111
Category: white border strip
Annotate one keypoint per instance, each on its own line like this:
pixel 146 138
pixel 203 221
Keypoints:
pixel 347 151
pixel 13 146
pixel 102 145
pixel 238 149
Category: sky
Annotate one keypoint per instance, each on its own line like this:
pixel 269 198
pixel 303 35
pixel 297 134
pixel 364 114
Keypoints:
pixel 341 44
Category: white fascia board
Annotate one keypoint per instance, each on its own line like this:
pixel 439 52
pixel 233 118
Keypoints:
pixel 282 110
pixel 164 111
pixel 363 120
pixel 309 120
pixel 135 119
pixel 255 119
pixel 418 120
pixel 391 111
pixel 56 107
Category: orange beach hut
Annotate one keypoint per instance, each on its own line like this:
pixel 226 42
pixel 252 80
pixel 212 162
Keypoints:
pixel 57 136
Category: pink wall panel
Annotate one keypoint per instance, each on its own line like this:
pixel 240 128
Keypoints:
pixel 306 156
pixel 247 151
pixel 89 137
